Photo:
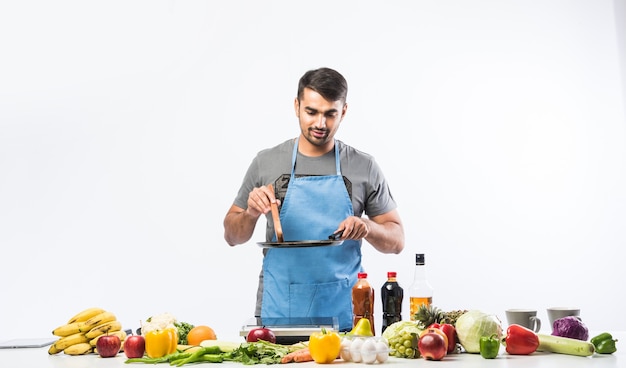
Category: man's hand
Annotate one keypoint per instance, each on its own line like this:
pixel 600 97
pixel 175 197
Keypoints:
pixel 384 232
pixel 353 228
pixel 239 223
pixel 259 201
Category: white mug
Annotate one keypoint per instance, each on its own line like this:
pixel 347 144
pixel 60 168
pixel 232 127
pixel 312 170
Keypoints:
pixel 524 317
pixel 555 313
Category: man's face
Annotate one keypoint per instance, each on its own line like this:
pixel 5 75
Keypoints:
pixel 319 118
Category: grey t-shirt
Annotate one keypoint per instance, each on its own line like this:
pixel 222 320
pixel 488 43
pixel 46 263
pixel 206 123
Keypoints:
pixel 365 182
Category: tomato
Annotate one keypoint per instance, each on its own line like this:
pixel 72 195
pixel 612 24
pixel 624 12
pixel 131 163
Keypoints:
pixel 200 333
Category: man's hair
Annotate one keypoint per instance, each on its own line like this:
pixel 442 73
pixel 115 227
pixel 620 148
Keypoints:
pixel 327 82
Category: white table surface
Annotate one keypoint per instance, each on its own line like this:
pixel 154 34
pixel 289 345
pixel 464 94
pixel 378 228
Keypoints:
pixel 39 358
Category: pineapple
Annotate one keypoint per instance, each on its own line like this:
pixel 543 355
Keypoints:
pixel 429 314
pixel 426 315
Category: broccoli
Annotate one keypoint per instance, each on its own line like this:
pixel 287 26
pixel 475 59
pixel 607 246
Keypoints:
pixel 183 330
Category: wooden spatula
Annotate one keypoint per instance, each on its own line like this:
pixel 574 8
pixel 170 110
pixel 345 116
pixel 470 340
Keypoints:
pixel 276 218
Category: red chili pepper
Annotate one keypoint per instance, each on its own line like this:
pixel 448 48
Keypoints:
pixel 521 340
pixel 450 332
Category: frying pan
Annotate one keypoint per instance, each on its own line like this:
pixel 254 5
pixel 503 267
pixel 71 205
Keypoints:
pixel 300 244
pixel 333 239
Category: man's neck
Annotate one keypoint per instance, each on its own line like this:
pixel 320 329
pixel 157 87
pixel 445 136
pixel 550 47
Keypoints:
pixel 306 148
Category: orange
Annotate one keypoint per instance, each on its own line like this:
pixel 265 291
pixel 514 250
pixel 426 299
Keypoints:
pixel 200 333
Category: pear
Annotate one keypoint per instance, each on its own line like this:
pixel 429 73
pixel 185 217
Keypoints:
pixel 362 328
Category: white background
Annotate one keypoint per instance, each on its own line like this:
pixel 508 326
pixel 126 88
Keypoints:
pixel 126 128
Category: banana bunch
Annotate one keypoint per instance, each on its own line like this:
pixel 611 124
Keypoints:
pixel 81 332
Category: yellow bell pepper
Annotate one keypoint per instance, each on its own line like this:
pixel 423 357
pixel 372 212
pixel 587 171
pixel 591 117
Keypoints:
pixel 324 346
pixel 160 343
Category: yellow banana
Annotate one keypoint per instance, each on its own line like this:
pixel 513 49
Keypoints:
pixel 53 350
pixel 84 315
pixel 96 320
pixel 79 349
pixel 104 328
pixel 67 329
pixel 121 334
pixel 67 341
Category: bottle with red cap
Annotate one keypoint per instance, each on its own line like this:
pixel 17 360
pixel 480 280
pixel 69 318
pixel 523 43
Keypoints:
pixel 391 295
pixel 363 301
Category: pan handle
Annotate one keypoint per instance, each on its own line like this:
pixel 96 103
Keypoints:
pixel 336 236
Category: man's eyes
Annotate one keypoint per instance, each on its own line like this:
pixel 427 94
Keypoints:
pixel 328 115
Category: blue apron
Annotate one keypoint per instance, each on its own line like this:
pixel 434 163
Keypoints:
pixel 314 281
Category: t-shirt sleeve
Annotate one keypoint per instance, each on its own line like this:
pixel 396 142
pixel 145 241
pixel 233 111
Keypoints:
pixel 379 198
pixel 248 183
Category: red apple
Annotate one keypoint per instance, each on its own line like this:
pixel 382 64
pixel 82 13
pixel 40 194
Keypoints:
pixel 438 332
pixel 108 345
pixel 432 346
pixel 450 332
pixel 261 333
pixel 134 346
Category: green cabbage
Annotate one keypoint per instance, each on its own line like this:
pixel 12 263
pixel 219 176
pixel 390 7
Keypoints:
pixel 399 328
pixel 473 325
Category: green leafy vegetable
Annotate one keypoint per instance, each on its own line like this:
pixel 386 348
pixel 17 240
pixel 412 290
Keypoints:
pixel 248 353
pixel 258 352
pixel 183 330
pixel 401 327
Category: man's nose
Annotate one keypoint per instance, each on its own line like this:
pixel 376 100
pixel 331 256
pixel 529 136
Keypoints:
pixel 321 121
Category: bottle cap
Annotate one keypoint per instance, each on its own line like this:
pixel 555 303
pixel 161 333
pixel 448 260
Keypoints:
pixel 420 259
pixel 362 275
pixel 391 274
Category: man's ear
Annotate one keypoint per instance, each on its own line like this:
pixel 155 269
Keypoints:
pixel 296 106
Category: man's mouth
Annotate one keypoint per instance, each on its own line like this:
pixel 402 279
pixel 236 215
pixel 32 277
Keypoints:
pixel 318 133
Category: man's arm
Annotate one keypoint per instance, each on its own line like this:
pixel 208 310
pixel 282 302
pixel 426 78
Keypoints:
pixel 385 232
pixel 238 225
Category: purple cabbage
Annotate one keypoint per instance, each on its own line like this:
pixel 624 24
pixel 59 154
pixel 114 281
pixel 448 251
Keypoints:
pixel 571 327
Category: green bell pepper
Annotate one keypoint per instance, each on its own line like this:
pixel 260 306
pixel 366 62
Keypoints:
pixel 489 346
pixel 604 343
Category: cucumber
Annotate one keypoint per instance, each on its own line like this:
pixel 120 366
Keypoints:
pixel 565 345
pixel 225 346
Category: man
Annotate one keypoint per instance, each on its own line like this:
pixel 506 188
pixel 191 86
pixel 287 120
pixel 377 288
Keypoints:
pixel 323 187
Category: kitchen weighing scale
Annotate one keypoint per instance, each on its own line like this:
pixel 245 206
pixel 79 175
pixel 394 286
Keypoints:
pixel 291 330
pixel 38 342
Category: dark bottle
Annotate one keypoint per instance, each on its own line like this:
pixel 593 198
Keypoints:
pixel 391 294
pixel 363 301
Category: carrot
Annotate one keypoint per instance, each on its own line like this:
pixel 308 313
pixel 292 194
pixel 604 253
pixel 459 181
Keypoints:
pixel 305 356
pixel 298 356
